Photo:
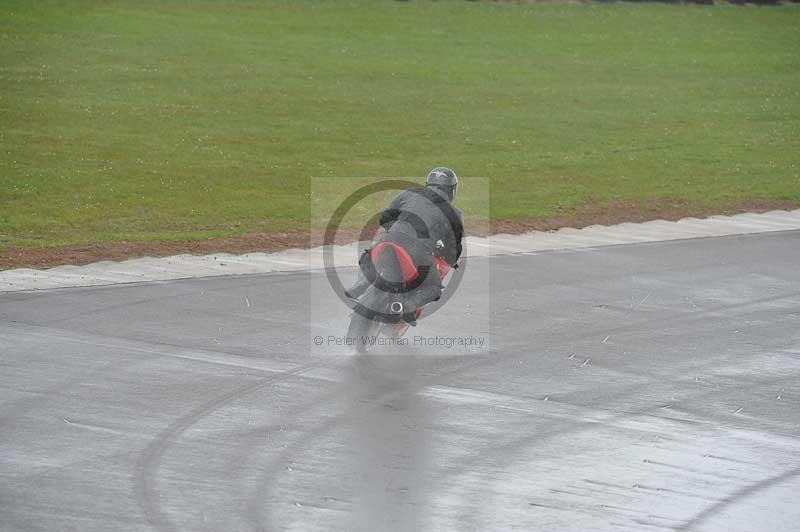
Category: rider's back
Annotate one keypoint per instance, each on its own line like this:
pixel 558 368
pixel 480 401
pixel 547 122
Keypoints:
pixel 428 217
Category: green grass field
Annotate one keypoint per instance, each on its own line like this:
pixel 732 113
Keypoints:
pixel 168 120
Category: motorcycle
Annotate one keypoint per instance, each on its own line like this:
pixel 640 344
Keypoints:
pixel 381 309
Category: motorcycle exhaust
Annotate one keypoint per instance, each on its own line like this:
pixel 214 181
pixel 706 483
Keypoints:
pixel 396 307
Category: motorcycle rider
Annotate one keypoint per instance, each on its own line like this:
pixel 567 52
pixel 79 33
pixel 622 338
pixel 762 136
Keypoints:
pixel 424 222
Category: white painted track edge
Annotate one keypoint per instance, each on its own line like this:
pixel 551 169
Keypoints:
pixel 178 267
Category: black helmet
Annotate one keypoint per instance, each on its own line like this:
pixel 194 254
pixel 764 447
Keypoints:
pixel 444 179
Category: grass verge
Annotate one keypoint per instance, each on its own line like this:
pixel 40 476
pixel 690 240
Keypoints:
pixel 177 121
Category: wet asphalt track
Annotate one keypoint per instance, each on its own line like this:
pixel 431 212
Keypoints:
pixel 638 387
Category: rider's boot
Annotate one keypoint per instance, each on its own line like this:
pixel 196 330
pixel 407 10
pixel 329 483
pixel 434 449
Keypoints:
pixel 428 292
pixel 362 283
pixel 358 289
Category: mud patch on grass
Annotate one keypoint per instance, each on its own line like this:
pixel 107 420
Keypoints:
pixel 48 257
pixel 591 212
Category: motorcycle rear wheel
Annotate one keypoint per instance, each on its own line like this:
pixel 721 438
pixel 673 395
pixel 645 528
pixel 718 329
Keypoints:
pixel 359 331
